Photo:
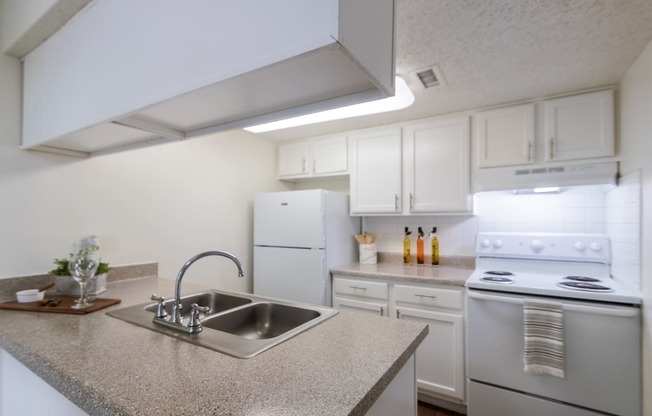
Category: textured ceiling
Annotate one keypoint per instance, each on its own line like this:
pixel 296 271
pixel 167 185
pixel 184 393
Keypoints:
pixel 493 52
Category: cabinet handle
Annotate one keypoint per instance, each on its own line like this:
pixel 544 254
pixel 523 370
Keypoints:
pixel 358 287
pixel 395 202
pixel 529 150
pixel 382 311
pixel 303 165
pixel 552 148
pixel 314 166
pixel 425 296
pixel 411 201
pixel 398 314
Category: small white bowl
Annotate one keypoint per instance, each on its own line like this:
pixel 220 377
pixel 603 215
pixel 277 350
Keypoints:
pixel 30 295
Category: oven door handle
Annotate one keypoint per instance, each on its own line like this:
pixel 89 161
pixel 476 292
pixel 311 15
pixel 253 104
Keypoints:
pixel 625 312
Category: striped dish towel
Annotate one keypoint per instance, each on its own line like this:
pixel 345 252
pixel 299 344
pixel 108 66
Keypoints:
pixel 544 337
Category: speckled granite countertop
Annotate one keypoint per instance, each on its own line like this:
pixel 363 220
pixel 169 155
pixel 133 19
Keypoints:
pixel 110 367
pixel 398 272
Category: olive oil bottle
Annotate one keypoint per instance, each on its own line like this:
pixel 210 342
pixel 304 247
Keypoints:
pixel 406 246
pixel 420 249
pixel 434 243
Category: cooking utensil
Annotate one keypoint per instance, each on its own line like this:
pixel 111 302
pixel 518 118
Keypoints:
pixel 51 302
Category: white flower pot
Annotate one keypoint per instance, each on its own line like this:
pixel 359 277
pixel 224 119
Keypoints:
pixel 66 285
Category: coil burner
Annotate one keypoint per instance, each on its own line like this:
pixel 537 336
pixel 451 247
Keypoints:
pixel 582 279
pixel 498 279
pixel 499 273
pixel 589 287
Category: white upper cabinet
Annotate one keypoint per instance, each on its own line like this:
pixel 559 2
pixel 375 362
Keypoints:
pixel 330 155
pixel 580 126
pixel 313 158
pixel 437 165
pixel 293 159
pixel 421 167
pixel 122 73
pixel 376 171
pixel 505 136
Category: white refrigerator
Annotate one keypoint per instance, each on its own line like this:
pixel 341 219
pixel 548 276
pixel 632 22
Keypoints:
pixel 298 237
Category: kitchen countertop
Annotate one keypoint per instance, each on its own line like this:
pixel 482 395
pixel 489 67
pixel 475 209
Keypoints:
pixel 399 272
pixel 110 367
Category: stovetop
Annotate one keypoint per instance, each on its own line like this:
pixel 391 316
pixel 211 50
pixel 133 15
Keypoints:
pixel 574 266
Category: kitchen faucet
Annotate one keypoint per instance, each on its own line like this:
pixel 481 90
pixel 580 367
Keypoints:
pixel 176 320
pixel 176 308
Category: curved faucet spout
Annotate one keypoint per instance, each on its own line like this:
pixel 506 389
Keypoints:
pixel 176 309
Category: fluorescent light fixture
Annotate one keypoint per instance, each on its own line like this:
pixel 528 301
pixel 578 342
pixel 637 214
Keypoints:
pixel 530 191
pixel 402 99
pixel 547 190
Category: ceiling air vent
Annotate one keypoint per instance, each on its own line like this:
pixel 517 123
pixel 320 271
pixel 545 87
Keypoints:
pixel 430 77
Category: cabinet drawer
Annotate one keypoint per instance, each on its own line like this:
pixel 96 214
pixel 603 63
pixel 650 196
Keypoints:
pixel 429 296
pixel 360 288
pixel 372 308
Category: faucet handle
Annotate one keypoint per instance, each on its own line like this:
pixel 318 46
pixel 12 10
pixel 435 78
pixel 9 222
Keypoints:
pixel 160 307
pixel 194 324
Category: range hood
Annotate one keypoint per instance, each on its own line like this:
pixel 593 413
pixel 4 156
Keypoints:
pixel 498 179
pixel 123 73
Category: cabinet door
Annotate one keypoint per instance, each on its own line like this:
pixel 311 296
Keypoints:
pixel 580 127
pixel 293 158
pixel 376 171
pixel 437 165
pixel 440 357
pixel 329 155
pixel 505 136
pixel 372 308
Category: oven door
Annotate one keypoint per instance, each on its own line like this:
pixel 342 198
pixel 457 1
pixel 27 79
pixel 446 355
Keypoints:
pixel 602 353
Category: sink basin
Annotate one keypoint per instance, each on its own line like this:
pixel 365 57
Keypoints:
pixel 217 302
pixel 238 324
pixel 261 320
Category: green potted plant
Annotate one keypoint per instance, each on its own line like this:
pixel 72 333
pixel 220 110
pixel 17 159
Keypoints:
pixel 66 285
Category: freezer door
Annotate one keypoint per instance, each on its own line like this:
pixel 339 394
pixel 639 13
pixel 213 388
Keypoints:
pixel 292 274
pixel 290 219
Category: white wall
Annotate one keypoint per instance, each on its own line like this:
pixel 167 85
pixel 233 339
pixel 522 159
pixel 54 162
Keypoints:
pixel 636 148
pixel 161 204
pixel 27 23
pixel 23 13
pixel 624 228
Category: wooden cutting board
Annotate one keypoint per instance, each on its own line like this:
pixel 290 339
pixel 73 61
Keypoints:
pixel 64 306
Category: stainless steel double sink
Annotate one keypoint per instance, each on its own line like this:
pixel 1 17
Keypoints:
pixel 241 325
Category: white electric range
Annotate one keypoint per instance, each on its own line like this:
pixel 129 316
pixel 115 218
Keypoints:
pixel 601 327
pixel 575 266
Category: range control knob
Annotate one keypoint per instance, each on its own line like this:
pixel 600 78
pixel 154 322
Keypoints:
pixel 595 246
pixel 498 243
pixel 485 243
pixel 579 246
pixel 537 245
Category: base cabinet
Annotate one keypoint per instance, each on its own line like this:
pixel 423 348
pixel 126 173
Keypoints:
pixel 19 387
pixel 364 306
pixel 440 367
pixel 440 361
pixel 400 396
